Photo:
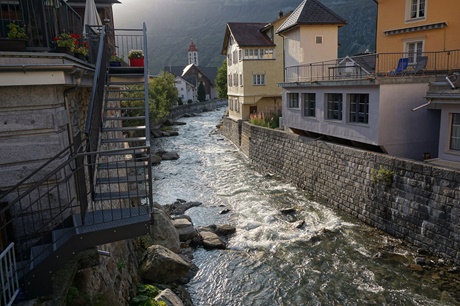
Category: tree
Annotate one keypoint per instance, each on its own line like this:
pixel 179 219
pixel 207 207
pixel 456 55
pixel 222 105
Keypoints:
pixel 162 95
pixel 221 81
pixel 201 92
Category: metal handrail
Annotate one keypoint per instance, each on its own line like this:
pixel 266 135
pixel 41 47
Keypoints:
pixel 371 65
pixel 9 284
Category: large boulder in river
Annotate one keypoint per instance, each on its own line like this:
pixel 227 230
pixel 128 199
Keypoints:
pixel 185 229
pixel 211 241
pixel 156 159
pixel 160 265
pixel 163 231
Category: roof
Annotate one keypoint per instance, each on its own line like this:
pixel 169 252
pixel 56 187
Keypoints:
pixel 247 34
pixel 311 12
pixel 192 46
pixel 209 72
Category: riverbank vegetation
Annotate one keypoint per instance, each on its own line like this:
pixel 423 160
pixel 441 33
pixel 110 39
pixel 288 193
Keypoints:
pixel 162 97
pixel 269 120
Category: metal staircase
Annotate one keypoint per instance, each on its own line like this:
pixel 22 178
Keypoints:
pixel 96 191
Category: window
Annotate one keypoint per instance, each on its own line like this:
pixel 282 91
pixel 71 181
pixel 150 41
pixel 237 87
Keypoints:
pixel 230 104
pixel 240 55
pixel 241 79
pixel 417 9
pixel 235 56
pixel 293 100
pixel 237 105
pixel 235 79
pixel 230 80
pixel 455 132
pixel 319 39
pixel 229 59
pixel 309 104
pixel 359 108
pixel 258 79
pixel 414 50
pixel 259 54
pixel 334 106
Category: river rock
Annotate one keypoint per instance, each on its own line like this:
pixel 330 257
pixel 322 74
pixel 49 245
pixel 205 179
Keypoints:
pixel 156 159
pixel 211 241
pixel 156 133
pixel 185 229
pixel 169 298
pixel 160 265
pixel 173 133
pixel 225 211
pixel 299 224
pixel 169 122
pixel 225 229
pixel 179 207
pixel 176 217
pixel 163 231
pixel 170 156
pixel 287 211
pixel 179 123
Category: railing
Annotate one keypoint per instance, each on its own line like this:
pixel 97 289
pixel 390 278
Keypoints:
pixel 371 66
pixel 126 40
pixel 9 285
pixel 50 203
pixel 44 20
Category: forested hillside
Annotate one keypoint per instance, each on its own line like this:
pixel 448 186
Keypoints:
pixel 171 24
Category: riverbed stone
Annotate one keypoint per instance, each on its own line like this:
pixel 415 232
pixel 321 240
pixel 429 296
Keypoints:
pixel 179 207
pixel 169 297
pixel 170 156
pixel 187 233
pixel 156 133
pixel 211 241
pixel 156 159
pixel 160 265
pixel 169 122
pixel 225 229
pixel 163 231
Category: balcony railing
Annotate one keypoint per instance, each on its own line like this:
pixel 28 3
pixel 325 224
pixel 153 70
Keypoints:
pixel 9 285
pixel 43 19
pixel 372 66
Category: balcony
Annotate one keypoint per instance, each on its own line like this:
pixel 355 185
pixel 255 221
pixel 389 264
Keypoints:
pixel 375 65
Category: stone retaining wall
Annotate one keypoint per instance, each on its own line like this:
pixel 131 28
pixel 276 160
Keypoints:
pixel 198 107
pixel 420 204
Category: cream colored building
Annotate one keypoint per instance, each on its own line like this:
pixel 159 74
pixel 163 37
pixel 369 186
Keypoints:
pixel 254 67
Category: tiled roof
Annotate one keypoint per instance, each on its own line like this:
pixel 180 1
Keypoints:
pixel 311 12
pixel 249 34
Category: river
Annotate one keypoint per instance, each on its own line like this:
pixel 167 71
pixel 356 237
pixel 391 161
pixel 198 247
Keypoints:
pixel 330 260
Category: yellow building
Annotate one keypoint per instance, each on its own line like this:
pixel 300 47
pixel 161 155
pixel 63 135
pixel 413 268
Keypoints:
pixel 418 26
pixel 254 67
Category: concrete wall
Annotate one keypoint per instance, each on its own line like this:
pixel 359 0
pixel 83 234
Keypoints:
pixel 420 206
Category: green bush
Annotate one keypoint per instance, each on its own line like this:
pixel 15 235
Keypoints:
pixel 146 295
pixel 269 120
pixel 383 175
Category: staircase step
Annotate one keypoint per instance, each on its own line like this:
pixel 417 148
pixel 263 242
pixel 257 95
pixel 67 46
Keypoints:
pixel 125 128
pixel 121 179
pixel 39 252
pixel 105 196
pixel 125 90
pixel 123 151
pixel 123 165
pixel 131 139
pixel 125 118
pixel 122 108
pixel 61 236
pixel 125 99
pixel 127 83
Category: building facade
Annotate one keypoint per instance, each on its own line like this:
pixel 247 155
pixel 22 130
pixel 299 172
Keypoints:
pixel 254 67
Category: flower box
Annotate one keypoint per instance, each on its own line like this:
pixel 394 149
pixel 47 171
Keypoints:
pixel 136 62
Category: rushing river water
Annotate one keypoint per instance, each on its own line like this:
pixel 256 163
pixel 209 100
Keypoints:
pixel 329 261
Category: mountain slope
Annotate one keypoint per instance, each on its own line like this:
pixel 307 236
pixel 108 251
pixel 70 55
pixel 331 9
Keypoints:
pixel 171 24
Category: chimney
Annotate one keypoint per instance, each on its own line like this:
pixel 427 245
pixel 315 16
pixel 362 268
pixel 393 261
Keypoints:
pixel 280 14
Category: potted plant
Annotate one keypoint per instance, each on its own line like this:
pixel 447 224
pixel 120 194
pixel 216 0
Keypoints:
pixel 81 51
pixel 67 43
pixel 136 58
pixel 115 61
pixel 16 40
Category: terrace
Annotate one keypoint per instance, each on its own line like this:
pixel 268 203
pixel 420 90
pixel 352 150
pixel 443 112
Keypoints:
pixel 375 65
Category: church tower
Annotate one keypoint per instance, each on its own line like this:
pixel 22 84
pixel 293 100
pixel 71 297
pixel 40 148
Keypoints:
pixel 192 54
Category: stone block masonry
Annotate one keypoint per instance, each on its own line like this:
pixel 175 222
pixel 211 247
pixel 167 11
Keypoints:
pixel 420 204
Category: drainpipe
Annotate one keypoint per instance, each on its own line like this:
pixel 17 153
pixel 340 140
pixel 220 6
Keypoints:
pixel 422 106
pixel 77 74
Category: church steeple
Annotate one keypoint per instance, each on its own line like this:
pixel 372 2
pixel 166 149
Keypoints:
pixel 192 53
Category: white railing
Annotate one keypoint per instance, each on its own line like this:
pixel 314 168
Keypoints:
pixel 9 285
